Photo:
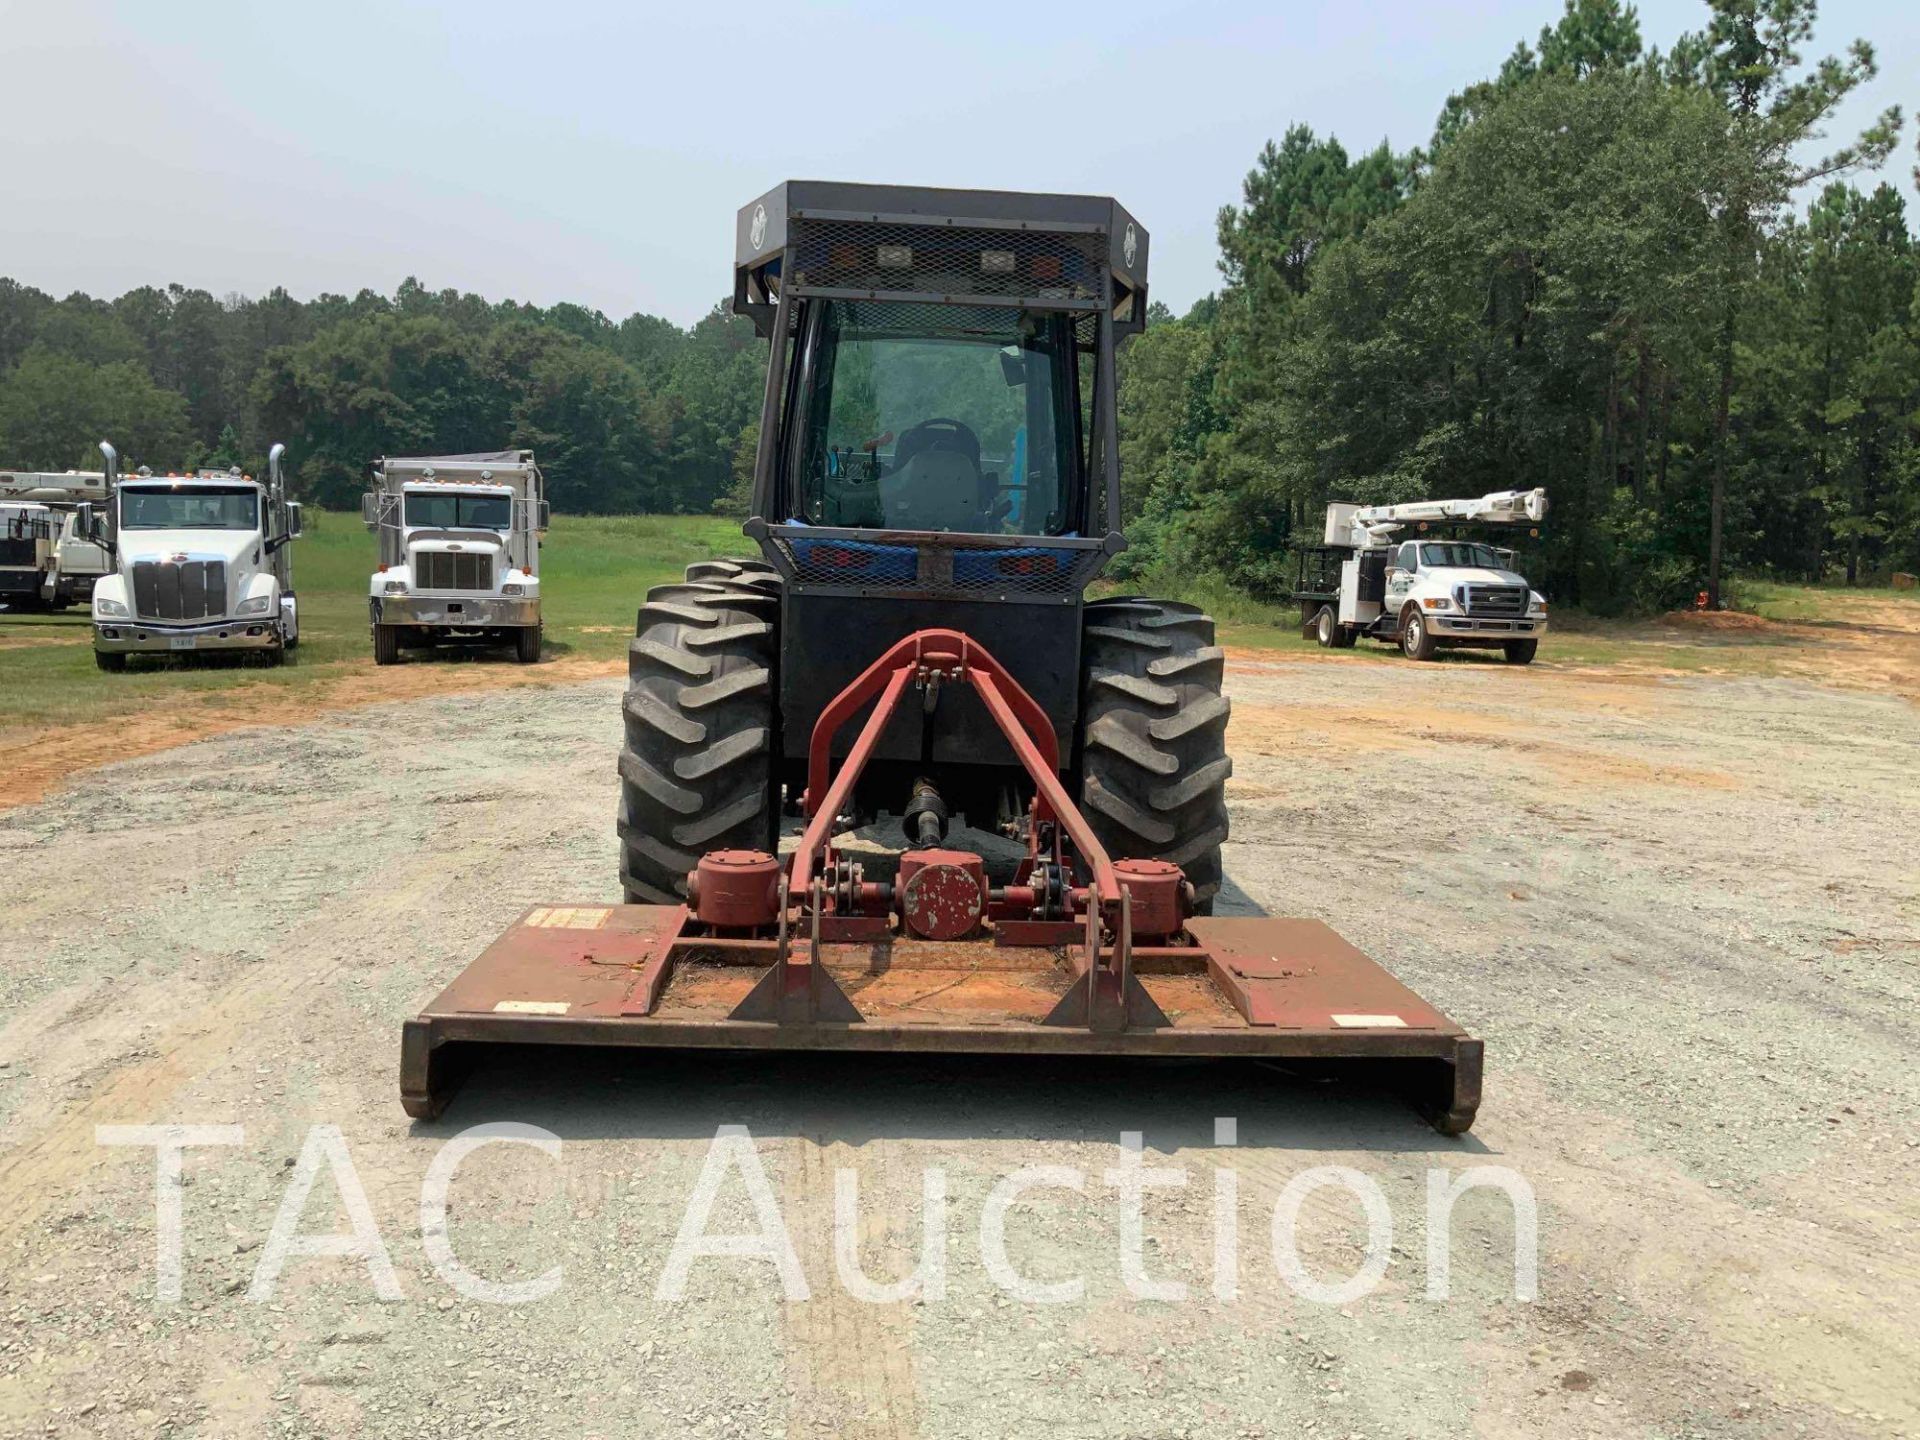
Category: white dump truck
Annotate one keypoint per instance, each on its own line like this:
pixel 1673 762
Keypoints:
pixel 1425 591
pixel 199 562
pixel 47 561
pixel 459 557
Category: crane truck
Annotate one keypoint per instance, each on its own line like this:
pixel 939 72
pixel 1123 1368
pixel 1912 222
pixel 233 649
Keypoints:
pixel 198 562
pixel 459 560
pixel 47 562
pixel 1424 592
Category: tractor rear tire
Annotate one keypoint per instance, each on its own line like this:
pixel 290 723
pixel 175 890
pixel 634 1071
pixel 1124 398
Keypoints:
pixel 386 644
pixel 696 767
pixel 735 570
pixel 1521 652
pixel 1153 755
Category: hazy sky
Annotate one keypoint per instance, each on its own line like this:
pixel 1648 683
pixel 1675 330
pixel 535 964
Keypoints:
pixel 597 152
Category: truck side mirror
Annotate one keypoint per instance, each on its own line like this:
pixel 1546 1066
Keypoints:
pixel 370 508
pixel 543 517
pixel 294 523
pixel 84 522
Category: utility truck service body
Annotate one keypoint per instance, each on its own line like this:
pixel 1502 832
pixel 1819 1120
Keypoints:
pixel 47 561
pixel 1428 591
pixel 199 562
pixel 459 559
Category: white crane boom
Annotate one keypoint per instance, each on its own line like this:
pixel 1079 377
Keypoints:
pixel 1366 526
pixel 70 487
pixel 1504 507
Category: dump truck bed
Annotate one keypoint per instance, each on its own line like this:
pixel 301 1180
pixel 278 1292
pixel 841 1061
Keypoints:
pixel 620 975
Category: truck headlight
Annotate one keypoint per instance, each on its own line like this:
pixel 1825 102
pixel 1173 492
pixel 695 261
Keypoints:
pixel 258 605
pixel 395 587
pixel 1536 606
pixel 110 608
pixel 513 587
pixel 1436 602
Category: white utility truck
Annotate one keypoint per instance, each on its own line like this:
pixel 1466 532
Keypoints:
pixel 1424 591
pixel 47 561
pixel 198 562
pixel 459 555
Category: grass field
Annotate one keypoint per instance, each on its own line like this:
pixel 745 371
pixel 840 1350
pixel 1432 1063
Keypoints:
pixel 595 570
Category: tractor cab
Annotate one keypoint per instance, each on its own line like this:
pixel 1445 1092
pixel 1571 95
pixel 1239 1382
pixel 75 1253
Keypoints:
pixel 938 444
pixel 944 418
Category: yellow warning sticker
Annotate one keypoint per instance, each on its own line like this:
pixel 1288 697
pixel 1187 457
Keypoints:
pixel 562 917
pixel 1370 1022
pixel 532 1007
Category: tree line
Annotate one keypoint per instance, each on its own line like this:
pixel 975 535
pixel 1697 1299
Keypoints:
pixel 1638 278
pixel 1595 277
pixel 639 415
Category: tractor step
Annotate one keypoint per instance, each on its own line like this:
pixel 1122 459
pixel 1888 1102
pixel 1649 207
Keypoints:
pixel 650 975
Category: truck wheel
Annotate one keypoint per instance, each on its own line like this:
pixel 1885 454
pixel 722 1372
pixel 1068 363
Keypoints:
pixel 275 656
pixel 1326 629
pixel 111 661
pixel 1416 640
pixel 696 767
pixel 1521 652
pixel 386 644
pixel 1153 753
pixel 526 644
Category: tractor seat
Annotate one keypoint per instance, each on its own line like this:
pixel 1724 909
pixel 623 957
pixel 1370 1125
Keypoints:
pixel 934 490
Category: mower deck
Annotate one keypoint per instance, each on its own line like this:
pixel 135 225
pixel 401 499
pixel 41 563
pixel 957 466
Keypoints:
pixel 612 975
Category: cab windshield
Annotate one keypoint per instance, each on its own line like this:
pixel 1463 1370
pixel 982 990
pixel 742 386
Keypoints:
pixel 939 417
pixel 189 507
pixel 454 511
pixel 1461 555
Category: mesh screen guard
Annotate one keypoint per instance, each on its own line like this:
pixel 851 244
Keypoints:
pixel 947 260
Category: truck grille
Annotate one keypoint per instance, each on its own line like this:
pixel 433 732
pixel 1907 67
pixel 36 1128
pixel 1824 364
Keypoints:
pixel 446 570
pixel 1495 601
pixel 185 590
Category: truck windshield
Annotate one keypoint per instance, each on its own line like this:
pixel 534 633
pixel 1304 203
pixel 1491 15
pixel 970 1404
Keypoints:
pixel 939 417
pixel 1461 555
pixel 454 511
pixel 189 507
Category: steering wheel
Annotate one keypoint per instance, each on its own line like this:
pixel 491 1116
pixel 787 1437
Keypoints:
pixel 939 434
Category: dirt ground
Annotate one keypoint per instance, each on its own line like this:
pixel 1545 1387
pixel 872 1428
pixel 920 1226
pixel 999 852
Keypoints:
pixel 34 760
pixel 1682 912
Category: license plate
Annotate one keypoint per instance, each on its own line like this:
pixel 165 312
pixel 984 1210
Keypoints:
pixel 180 642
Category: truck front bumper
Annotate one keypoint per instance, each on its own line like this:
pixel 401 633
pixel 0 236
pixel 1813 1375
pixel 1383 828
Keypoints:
pixel 1468 629
pixel 140 637
pixel 446 612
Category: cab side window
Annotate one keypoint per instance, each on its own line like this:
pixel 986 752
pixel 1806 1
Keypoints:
pixel 1408 557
